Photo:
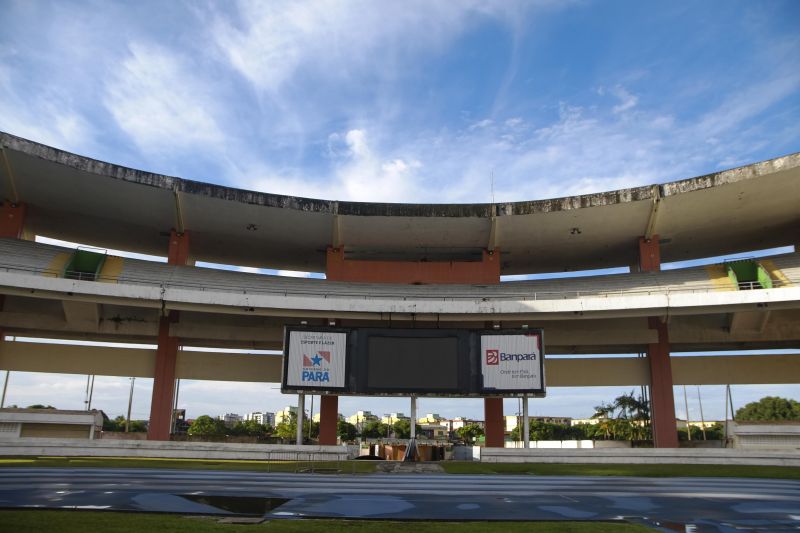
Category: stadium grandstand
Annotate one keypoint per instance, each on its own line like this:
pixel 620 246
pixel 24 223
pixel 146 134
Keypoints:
pixel 396 265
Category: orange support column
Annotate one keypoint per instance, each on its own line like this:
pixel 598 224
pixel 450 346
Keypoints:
pixel 12 220
pixel 161 404
pixel 178 248
pixel 328 420
pixel 662 400
pixel 494 426
pixel 649 254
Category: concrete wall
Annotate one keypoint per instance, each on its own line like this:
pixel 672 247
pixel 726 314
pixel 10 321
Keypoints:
pixel 55 431
pixel 642 456
pixel 779 435
pixel 175 450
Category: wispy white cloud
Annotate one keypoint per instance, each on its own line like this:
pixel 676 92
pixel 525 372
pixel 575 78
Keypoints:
pixel 156 99
pixel 626 100
pixel 270 43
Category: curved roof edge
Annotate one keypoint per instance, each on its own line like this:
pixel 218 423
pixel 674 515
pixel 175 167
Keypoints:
pixel 172 183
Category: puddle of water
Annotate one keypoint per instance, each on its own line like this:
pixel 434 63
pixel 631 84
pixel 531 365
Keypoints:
pixel 241 505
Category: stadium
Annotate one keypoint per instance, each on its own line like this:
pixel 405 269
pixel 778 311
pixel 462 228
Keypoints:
pixel 396 266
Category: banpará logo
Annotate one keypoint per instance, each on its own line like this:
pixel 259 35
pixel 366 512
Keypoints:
pixel 492 357
pixel 518 357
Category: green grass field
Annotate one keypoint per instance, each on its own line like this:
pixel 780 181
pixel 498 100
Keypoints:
pixel 667 470
pixel 344 467
pixel 36 521
pixel 450 467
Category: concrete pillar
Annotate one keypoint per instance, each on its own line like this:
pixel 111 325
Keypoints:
pixel 413 425
pixel 526 424
pixel 178 248
pixel 328 420
pixel 649 254
pixel 494 426
pixel 662 400
pixel 301 415
pixel 162 402
pixel 12 220
pixel 163 381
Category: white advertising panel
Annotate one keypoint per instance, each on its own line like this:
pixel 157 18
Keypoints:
pixel 316 359
pixel 512 362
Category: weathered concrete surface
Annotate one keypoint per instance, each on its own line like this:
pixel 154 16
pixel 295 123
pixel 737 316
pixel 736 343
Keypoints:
pixel 623 305
pixel 247 228
pixel 725 456
pixel 173 450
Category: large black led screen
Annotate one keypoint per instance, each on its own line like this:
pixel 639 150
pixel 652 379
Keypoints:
pixel 403 363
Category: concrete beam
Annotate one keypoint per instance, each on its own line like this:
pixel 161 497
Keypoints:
pixel 85 314
pixel 220 366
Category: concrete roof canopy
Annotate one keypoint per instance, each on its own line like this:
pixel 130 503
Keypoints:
pixel 75 198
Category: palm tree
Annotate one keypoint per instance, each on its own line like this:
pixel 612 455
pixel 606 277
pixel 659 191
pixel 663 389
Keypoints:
pixel 604 413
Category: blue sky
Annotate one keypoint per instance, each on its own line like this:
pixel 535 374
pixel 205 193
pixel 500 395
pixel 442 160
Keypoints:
pixel 407 101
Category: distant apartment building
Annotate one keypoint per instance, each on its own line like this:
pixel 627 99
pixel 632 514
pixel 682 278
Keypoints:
pixel 434 431
pixel 317 417
pixel 264 418
pixel 230 419
pixel 391 418
pixel 459 422
pixel 361 417
pixel 285 415
pixel 431 418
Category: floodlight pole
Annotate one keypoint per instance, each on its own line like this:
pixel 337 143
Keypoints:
pixel 526 425
pixel 413 417
pixel 130 402
pixel 5 387
pixel 686 406
pixel 91 393
pixel 702 418
pixel 301 411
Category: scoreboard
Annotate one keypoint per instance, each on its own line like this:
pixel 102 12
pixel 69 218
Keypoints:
pixel 419 362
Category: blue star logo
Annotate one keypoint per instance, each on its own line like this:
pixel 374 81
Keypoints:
pixel 317 360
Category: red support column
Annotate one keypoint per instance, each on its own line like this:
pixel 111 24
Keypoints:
pixel 328 420
pixel 12 220
pixel 178 248
pixel 161 404
pixel 494 425
pixel 662 400
pixel 649 254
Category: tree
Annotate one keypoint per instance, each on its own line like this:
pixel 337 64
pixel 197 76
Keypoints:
pixel 604 413
pixel 402 429
pixel 633 417
pixel 770 408
pixel 374 430
pixel 287 429
pixel 118 424
pixel 250 428
pixel 207 427
pixel 469 432
pixel 346 431
pixel 40 406
pixel 136 426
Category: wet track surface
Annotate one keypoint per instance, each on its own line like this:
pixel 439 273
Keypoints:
pixel 683 504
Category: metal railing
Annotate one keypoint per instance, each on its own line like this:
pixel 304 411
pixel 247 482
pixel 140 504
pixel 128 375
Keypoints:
pixel 324 289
